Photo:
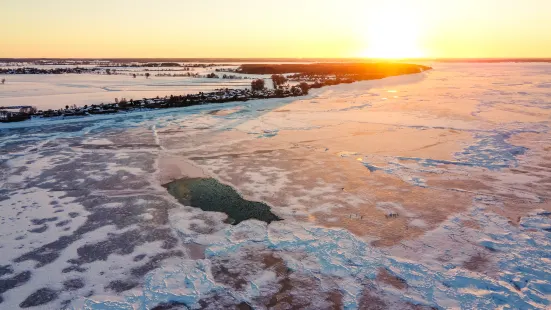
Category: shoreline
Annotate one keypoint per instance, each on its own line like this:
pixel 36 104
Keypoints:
pixel 226 95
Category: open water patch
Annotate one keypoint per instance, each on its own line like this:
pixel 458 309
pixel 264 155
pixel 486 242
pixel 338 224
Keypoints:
pixel 210 195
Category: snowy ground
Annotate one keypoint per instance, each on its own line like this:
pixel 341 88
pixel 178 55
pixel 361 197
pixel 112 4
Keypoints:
pixel 413 192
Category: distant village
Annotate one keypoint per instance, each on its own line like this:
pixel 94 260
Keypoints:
pixel 258 90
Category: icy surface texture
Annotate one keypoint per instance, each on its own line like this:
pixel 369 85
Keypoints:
pixel 422 191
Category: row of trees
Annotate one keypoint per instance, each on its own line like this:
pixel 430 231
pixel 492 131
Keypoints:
pixel 109 72
pixel 260 85
pixel 28 70
pixel 277 80
pixel 157 65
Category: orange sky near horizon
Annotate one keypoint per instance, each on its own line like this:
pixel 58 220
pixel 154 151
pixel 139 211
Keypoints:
pixel 279 29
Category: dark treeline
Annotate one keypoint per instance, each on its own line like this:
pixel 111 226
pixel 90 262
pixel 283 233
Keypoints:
pixel 172 70
pixel 361 70
pixel 159 65
pixel 211 75
pixel 53 62
pixel 26 70
pixel 109 70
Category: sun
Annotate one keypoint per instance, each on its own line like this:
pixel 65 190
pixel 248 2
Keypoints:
pixel 393 33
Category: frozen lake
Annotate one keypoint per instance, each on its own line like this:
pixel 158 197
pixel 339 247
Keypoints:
pixel 412 192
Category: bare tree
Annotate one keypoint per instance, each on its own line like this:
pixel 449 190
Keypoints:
pixel 304 87
pixel 278 80
pixel 257 85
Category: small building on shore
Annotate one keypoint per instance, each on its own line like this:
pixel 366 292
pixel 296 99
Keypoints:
pixel 16 113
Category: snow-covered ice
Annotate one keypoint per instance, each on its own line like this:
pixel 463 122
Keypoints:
pixel 412 192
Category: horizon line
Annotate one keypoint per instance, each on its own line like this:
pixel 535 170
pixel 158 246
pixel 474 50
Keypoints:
pixel 274 58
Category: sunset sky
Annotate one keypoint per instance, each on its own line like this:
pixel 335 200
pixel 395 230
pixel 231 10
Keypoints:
pixel 284 28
